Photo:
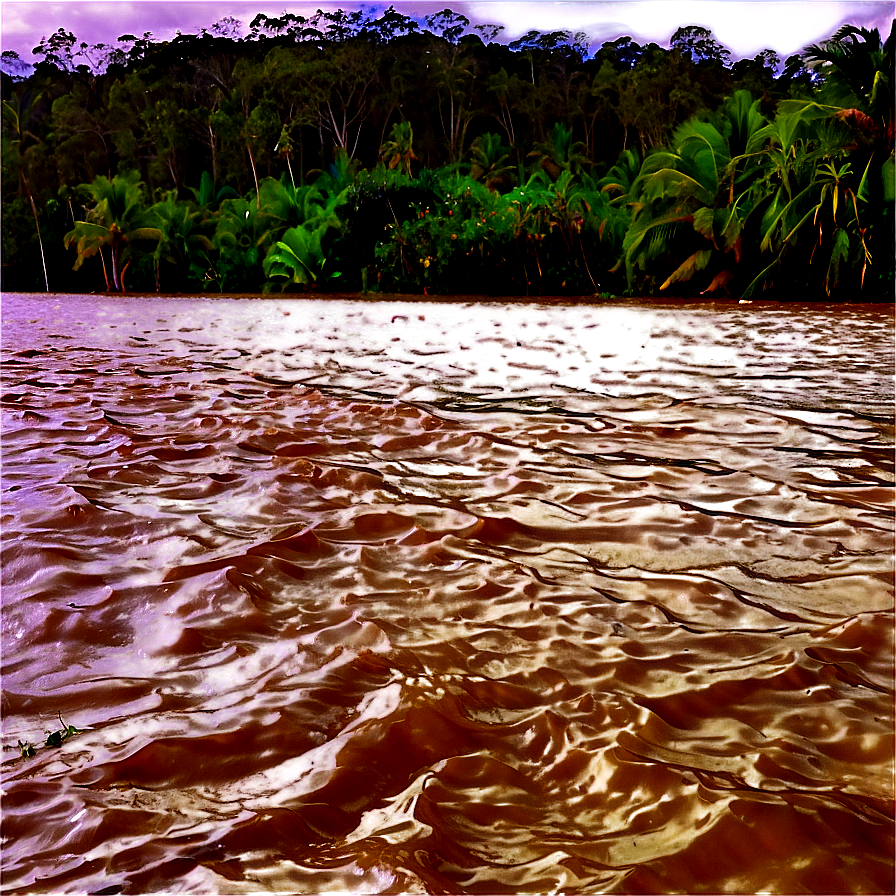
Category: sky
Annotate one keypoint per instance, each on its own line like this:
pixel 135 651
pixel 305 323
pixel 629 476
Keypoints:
pixel 744 26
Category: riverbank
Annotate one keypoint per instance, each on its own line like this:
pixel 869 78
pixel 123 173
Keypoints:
pixel 482 299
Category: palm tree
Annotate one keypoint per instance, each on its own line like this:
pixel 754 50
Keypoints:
pixel 490 161
pixel 398 150
pixel 118 219
pixel 858 94
pixel 690 203
pixel 560 152
pixel 857 67
pixel 182 244
pixel 672 186
pixel 618 181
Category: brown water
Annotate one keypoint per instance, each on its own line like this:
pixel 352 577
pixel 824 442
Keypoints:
pixel 446 598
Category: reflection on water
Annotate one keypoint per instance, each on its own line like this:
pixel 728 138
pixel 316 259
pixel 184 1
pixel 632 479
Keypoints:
pixel 446 598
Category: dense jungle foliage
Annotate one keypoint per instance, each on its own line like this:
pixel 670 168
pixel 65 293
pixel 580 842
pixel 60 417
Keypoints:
pixel 351 153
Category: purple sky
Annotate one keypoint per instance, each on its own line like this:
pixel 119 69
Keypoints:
pixel 744 26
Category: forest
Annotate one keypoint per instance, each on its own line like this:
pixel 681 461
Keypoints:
pixel 354 152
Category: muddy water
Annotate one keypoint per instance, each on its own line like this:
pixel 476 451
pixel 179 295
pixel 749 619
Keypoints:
pixel 446 598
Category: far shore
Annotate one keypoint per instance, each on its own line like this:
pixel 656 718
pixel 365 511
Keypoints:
pixel 416 298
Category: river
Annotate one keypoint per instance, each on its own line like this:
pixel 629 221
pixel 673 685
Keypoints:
pixel 446 597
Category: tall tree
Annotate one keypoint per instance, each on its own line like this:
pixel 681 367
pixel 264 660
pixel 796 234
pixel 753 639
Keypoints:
pixel 21 143
pixel 452 71
pixel 700 45
pixel 348 76
pixel 509 90
pixel 59 50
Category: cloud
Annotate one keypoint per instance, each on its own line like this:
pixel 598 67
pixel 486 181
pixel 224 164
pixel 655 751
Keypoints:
pixel 744 26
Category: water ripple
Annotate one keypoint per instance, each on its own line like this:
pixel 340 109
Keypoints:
pixel 393 597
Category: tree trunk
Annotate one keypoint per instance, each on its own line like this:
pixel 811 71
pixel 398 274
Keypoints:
pixel 254 176
pixel 40 241
pixel 105 270
pixel 116 275
pixel 211 142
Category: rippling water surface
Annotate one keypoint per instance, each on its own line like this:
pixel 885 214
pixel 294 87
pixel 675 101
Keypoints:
pixel 446 598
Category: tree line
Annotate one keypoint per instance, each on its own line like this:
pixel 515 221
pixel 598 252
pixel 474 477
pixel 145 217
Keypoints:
pixel 352 152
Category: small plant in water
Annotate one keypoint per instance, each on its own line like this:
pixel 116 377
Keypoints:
pixel 27 749
pixel 56 738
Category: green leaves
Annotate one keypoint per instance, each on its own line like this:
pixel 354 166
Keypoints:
pixel 398 151
pixel 306 205
pixel 118 218
pixel 183 244
pixel 242 235
pixel 888 180
pixel 723 201
pixel 490 161
pixel 207 197
pixel 700 181
pixel 813 219
pixel 545 235
pixel 766 203
pixel 693 263
pixel 297 259
pixel 560 152
pixel 619 181
pixel 857 66
pixel 65 732
pixel 53 739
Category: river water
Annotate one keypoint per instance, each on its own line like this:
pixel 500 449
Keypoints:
pixel 396 597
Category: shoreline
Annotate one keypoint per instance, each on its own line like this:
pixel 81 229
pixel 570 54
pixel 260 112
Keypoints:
pixel 479 299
